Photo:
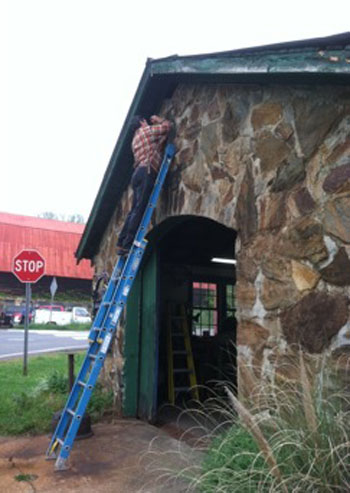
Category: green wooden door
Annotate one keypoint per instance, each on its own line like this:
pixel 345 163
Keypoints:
pixel 141 344
pixel 132 349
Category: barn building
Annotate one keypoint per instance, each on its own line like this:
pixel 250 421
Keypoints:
pixel 261 177
pixel 56 241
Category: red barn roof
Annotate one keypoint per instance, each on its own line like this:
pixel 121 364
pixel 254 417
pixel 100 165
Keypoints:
pixel 55 240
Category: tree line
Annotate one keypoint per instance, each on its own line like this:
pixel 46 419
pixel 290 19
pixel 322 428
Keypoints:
pixel 71 218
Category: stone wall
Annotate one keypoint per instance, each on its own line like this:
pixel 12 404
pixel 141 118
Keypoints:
pixel 273 163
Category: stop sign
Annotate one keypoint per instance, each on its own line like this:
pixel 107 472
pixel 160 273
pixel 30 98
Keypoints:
pixel 28 266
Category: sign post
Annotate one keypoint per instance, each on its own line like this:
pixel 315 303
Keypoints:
pixel 53 289
pixel 28 267
pixel 26 325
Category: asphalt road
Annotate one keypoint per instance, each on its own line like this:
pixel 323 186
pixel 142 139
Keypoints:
pixel 40 341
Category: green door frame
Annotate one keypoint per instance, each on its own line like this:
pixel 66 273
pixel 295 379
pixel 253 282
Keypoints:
pixel 141 343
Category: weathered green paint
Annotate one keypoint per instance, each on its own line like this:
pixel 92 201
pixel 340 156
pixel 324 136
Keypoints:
pixel 148 342
pixel 141 344
pixel 131 349
pixel 305 61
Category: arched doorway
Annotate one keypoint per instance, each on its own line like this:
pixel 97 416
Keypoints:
pixel 179 277
pixel 189 278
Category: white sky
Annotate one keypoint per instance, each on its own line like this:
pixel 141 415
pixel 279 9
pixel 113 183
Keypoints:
pixel 70 68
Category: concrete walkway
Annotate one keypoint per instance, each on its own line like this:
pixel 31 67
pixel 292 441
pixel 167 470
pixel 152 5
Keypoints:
pixel 129 456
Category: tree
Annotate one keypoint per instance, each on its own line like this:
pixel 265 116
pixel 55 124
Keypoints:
pixel 76 218
pixel 73 218
pixel 48 215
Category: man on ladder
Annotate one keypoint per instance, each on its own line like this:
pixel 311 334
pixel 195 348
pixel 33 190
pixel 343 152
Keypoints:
pixel 148 148
pixel 103 328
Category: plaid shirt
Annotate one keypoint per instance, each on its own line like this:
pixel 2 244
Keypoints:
pixel 148 143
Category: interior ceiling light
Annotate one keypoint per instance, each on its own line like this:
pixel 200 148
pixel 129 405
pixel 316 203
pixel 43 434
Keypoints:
pixel 224 260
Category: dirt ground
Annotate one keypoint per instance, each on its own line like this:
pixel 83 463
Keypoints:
pixel 129 456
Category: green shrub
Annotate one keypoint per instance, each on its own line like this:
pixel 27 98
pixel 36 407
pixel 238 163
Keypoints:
pixel 23 401
pixel 55 382
pixel 101 402
pixel 231 455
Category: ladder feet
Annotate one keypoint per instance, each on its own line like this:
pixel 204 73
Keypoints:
pixel 61 464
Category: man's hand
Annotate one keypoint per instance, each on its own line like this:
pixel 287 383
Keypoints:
pixel 155 119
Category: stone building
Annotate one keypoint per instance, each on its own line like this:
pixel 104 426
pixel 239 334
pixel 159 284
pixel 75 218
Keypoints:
pixel 262 176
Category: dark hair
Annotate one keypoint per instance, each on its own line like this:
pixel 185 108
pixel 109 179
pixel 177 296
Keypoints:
pixel 135 122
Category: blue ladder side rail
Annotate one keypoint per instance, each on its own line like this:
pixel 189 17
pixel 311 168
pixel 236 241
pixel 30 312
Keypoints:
pixel 103 328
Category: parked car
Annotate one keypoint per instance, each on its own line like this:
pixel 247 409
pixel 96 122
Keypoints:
pixel 15 314
pixel 77 314
pixel 5 320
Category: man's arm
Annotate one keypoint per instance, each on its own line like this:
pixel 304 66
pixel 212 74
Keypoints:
pixel 160 126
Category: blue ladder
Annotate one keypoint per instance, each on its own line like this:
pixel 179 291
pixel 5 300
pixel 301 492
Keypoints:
pixel 103 328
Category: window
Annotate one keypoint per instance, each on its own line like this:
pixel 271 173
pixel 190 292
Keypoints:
pixel 213 307
pixel 204 309
pixel 81 312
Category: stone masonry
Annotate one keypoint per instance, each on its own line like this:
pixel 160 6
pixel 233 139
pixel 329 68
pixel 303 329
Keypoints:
pixel 273 163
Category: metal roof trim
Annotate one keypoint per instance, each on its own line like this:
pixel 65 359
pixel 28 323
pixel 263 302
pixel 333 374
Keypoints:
pixel 341 41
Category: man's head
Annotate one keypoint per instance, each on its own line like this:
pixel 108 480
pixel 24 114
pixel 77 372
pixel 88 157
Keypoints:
pixel 137 121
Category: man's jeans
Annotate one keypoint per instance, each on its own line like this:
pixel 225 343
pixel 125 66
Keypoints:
pixel 142 182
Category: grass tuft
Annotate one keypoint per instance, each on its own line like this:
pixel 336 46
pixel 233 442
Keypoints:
pixel 283 435
pixel 26 477
pixel 68 327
